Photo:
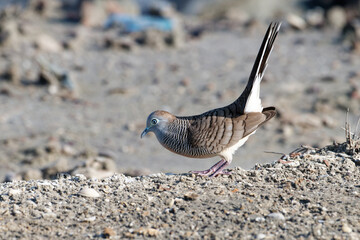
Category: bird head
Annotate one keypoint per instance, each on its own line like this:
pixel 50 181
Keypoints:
pixel 157 122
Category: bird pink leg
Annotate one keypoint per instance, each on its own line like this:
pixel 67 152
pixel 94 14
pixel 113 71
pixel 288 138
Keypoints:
pixel 215 170
pixel 210 170
pixel 220 170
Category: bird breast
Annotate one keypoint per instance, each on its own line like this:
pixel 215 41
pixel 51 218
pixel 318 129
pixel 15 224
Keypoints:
pixel 175 138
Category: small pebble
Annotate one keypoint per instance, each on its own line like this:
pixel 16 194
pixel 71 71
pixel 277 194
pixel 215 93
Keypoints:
pixel 108 232
pixel 276 216
pixel 296 22
pixel 260 236
pixel 346 229
pixel 89 192
pixel 190 196
pixel 89 219
pixel 13 192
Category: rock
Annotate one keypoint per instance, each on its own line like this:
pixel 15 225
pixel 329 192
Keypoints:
pixel 123 43
pixel 68 150
pixel 336 17
pixel 330 122
pixel 348 165
pixel 317 230
pixel 136 172
pixel 296 22
pixel 9 33
pixel 350 35
pixel 328 79
pixel 94 173
pixel 39 6
pixel 132 127
pixel 13 73
pixel 88 192
pixel 346 228
pixel 147 232
pixel 93 13
pixel 55 77
pixel 119 90
pixel 76 39
pixel 108 232
pixel 11 176
pixel 89 219
pixel 12 192
pixel 170 202
pixel 6 92
pixel 47 43
pixel 308 121
pixel 46 78
pixel 98 167
pixel 151 38
pixel 185 82
pixel 287 130
pixel 53 169
pixel 256 218
pixel 260 236
pixel 190 196
pixel 237 14
pixel 315 17
pixel 276 216
pixel 32 174
pixel 177 36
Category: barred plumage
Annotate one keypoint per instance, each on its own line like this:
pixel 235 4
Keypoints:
pixel 221 131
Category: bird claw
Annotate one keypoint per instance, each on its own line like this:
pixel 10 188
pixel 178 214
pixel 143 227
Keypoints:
pixel 210 173
pixel 220 173
pixel 214 171
pixel 203 173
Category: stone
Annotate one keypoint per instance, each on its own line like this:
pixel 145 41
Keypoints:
pixel 315 17
pixel 88 192
pixel 336 17
pixel 9 34
pixel 276 216
pixel 59 166
pixel 31 174
pixel 47 43
pixel 296 22
pixel 346 228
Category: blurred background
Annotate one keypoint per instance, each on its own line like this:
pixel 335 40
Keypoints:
pixel 78 79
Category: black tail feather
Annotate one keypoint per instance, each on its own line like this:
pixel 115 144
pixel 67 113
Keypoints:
pixel 260 63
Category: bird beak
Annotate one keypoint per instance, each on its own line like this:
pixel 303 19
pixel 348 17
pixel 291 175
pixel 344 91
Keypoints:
pixel 146 130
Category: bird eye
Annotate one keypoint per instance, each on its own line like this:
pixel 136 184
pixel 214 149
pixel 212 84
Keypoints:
pixel 154 121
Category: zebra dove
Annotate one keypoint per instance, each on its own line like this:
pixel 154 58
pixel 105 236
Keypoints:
pixel 218 132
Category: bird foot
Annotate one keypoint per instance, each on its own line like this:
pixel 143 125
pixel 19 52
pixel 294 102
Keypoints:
pixel 222 172
pixel 216 170
pixel 203 173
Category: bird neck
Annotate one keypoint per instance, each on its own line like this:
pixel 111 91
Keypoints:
pixel 174 136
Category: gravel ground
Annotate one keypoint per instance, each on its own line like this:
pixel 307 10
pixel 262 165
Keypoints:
pixel 309 194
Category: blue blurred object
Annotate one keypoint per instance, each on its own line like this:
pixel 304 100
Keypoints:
pixel 139 23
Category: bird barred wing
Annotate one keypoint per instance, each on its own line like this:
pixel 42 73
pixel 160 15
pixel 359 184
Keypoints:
pixel 217 130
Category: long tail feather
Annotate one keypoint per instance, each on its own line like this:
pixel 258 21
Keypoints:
pixel 249 100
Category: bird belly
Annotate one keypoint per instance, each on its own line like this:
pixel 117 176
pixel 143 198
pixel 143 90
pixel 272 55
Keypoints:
pixel 228 153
